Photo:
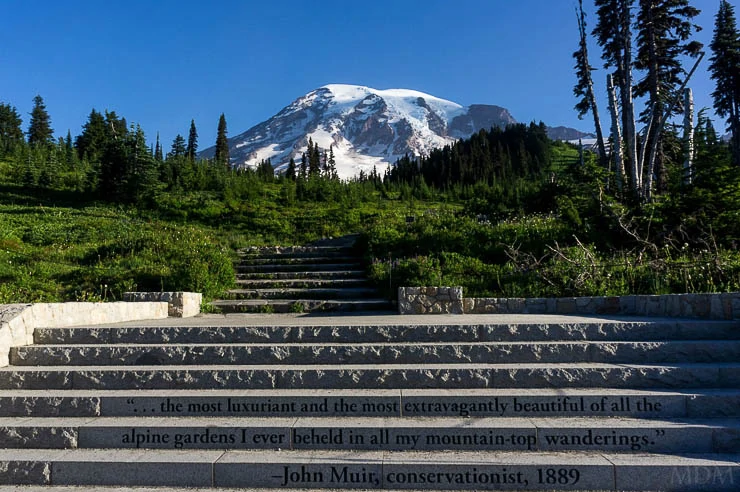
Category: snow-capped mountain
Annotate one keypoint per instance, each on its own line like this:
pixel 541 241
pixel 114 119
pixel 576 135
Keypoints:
pixel 365 127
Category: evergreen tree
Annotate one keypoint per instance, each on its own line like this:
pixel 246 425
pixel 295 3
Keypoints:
pixel 290 173
pixel 178 147
pixel 664 31
pixel 192 141
pixel 158 156
pixel 584 88
pixel 11 133
pixel 314 158
pixel 93 139
pixel 222 143
pixel 39 127
pixel 304 166
pixel 725 71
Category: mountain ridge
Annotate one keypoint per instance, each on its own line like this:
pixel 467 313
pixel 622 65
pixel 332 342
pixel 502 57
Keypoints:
pixel 367 128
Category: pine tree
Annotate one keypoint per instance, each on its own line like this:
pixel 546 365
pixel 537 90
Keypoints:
pixel 11 133
pixel 178 147
pixel 664 31
pixel 304 166
pixel 93 139
pixel 725 71
pixel 192 141
pixel 290 173
pixel 584 89
pixel 222 143
pixel 158 156
pixel 39 127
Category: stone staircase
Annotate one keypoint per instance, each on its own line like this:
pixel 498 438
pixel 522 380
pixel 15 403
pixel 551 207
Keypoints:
pixel 328 276
pixel 421 403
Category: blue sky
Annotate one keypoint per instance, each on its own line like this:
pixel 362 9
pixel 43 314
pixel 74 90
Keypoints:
pixel 163 63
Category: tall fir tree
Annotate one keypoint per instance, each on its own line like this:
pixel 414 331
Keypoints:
pixel 664 35
pixel 222 143
pixel 179 148
pixel 192 148
pixel 158 155
pixel 90 144
pixel 11 133
pixel 290 173
pixel 39 127
pixel 584 88
pixel 725 71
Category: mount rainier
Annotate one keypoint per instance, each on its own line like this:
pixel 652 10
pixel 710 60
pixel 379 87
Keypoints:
pixel 365 127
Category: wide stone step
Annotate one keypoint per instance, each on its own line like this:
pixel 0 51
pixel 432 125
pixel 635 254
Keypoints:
pixel 304 293
pixel 372 470
pixel 365 331
pixel 408 376
pixel 613 435
pixel 302 283
pixel 543 402
pixel 299 275
pixel 381 354
pixel 410 403
pixel 305 267
pixel 300 305
pixel 296 251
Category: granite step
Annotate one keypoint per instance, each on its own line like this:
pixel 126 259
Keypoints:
pixel 411 403
pixel 302 283
pixel 303 293
pixel 296 251
pixel 379 354
pixel 367 332
pixel 371 470
pixel 392 376
pixel 612 435
pixel 303 267
pixel 296 275
pixel 300 305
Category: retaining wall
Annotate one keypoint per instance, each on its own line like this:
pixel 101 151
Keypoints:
pixel 439 300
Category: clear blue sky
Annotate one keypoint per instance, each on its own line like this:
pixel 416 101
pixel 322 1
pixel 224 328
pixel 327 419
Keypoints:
pixel 161 63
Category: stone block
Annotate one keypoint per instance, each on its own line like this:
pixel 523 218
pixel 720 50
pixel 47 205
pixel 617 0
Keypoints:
pixel 135 467
pixel 180 304
pixel 709 473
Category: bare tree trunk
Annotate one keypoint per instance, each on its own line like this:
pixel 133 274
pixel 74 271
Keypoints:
pixel 688 136
pixel 625 92
pixel 617 142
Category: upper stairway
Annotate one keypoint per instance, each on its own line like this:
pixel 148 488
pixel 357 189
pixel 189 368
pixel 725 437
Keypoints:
pixel 327 276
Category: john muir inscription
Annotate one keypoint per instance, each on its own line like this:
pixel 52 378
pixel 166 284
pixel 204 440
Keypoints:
pixel 402 406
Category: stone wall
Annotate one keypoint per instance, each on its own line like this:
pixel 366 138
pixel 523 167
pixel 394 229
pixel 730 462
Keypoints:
pixel 18 321
pixel 181 304
pixel 430 300
pixel 423 300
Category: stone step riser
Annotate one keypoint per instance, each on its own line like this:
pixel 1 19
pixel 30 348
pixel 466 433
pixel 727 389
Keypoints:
pixel 308 267
pixel 480 353
pixel 302 284
pixel 349 377
pixel 571 403
pixel 309 293
pixel 318 275
pixel 297 252
pixel 502 471
pixel 313 260
pixel 615 332
pixel 455 436
pixel 300 306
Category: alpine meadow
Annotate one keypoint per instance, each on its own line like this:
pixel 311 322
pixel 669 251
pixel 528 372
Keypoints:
pixel 652 207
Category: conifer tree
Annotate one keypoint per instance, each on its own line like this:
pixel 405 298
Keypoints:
pixel 290 173
pixel 222 143
pixel 39 127
pixel 93 139
pixel 178 147
pixel 192 141
pixel 584 89
pixel 725 71
pixel 158 150
pixel 11 133
pixel 304 166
